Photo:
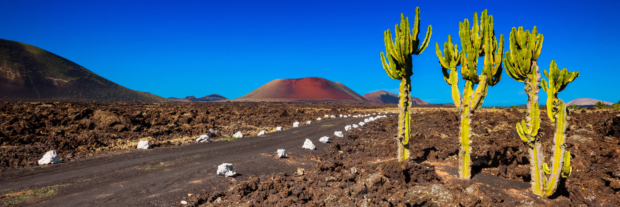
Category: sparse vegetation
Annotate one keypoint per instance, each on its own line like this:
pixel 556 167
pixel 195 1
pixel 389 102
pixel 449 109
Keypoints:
pixel 601 105
pixel 17 198
pixel 616 106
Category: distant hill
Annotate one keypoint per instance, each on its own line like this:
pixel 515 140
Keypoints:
pixel 29 73
pixel 384 97
pixel 212 97
pixel 586 102
pixel 302 89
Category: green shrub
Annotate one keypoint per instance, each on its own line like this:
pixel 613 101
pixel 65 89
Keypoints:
pixel 601 105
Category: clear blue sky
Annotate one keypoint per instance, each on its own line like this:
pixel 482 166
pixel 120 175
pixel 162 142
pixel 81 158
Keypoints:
pixel 182 48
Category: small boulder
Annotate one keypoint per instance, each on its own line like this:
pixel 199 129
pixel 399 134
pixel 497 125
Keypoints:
pixel 144 144
pixel 281 153
pixel 279 128
pixel 308 145
pixel 340 115
pixel 326 116
pixel 363 124
pixel 339 134
pixel 309 122
pixel 332 116
pixel 49 158
pixel 371 118
pixel 318 119
pixel 238 135
pixel 226 169
pixel 212 133
pixel 203 138
pixel 355 126
pixel 262 133
pixel 347 127
pixel 366 120
pixel 324 139
pixel 296 124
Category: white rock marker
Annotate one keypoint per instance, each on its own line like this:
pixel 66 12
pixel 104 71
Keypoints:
pixel 326 116
pixel 355 126
pixel 347 127
pixel 308 145
pixel 143 144
pixel 296 124
pixel 318 119
pixel 363 124
pixel 49 158
pixel 262 133
pixel 371 118
pixel 238 135
pixel 324 139
pixel 366 120
pixel 332 116
pixel 340 115
pixel 226 169
pixel 203 138
pixel 279 129
pixel 338 134
pixel 281 153
pixel 309 122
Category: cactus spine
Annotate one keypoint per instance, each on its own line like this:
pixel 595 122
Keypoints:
pixel 479 41
pixel 521 65
pixel 558 113
pixel 399 66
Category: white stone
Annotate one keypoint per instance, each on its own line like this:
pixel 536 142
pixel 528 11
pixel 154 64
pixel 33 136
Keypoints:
pixel 308 145
pixel 347 127
pixel 354 116
pixel 355 126
pixel 340 115
pixel 374 113
pixel 366 120
pixel 281 153
pixel 363 124
pixel 318 119
pixel 49 158
pixel 338 134
pixel 238 135
pixel 144 145
pixel 324 139
pixel 203 138
pixel 309 122
pixel 379 112
pixel 371 118
pixel 326 116
pixel 183 202
pixel 332 116
pixel 279 129
pixel 262 133
pixel 226 169
pixel 296 124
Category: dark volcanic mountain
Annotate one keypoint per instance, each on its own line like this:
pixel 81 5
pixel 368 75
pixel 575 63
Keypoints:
pixel 384 97
pixel 212 97
pixel 302 89
pixel 29 73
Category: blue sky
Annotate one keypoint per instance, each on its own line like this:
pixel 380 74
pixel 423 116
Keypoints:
pixel 182 48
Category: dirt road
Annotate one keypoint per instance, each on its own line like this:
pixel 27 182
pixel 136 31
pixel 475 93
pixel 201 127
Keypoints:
pixel 162 177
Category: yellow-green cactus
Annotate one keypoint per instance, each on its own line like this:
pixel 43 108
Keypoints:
pixel 558 113
pixel 479 41
pixel 399 66
pixel 521 64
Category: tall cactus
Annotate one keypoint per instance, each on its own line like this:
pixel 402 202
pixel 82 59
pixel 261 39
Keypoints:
pixel 399 66
pixel 521 64
pixel 479 41
pixel 557 112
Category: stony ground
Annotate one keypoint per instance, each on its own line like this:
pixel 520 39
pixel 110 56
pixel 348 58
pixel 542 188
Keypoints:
pixel 361 171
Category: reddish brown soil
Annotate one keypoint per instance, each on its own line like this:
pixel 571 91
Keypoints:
pixel 303 89
pixel 74 130
pixel 384 97
pixel 501 167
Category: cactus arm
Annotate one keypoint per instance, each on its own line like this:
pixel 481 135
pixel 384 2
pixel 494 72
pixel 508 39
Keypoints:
pixel 456 94
pixel 389 70
pixel 427 39
pixel 479 94
pixel 559 149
